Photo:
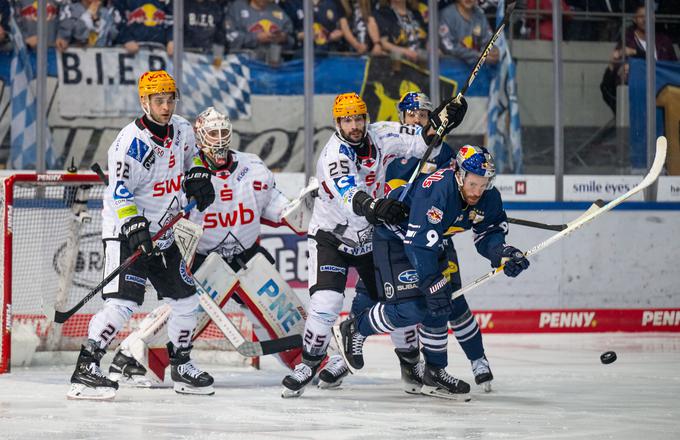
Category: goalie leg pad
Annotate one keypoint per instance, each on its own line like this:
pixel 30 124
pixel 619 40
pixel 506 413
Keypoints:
pixel 105 325
pixel 147 344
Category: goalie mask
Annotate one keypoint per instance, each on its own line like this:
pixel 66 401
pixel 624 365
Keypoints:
pixel 474 160
pixel 213 136
pixel 414 104
pixel 349 110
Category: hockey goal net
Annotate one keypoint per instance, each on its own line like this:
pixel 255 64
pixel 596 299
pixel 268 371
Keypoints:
pixel 52 254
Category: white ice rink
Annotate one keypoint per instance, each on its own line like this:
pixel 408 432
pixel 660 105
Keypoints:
pixel 546 387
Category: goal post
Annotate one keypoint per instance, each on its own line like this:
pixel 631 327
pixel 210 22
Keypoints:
pixel 52 255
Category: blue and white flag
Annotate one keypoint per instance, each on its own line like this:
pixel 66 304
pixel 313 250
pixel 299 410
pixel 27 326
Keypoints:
pixel 24 128
pixel 504 130
pixel 226 88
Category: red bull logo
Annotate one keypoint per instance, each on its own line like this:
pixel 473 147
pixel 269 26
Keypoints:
pixel 30 12
pixel 148 15
pixel 320 34
pixel 264 26
pixel 466 152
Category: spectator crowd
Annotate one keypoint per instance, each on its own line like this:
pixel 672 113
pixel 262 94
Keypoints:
pixel 272 30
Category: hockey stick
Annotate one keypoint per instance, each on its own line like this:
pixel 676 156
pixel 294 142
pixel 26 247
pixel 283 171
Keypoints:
pixel 233 334
pixel 100 173
pixel 518 221
pixel 593 212
pixel 61 317
pixel 509 7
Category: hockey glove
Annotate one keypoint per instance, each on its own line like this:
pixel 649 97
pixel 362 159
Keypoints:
pixel 438 297
pixel 454 114
pixel 197 185
pixel 514 261
pixel 136 230
pixel 378 211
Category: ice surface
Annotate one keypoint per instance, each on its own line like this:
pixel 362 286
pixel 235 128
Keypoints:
pixel 546 387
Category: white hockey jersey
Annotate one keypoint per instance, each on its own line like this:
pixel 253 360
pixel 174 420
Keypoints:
pixel 145 176
pixel 342 172
pixel 245 195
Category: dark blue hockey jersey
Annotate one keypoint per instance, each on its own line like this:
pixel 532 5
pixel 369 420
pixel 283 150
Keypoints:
pixel 399 171
pixel 437 212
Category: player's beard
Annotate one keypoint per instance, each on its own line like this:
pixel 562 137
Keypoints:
pixel 470 199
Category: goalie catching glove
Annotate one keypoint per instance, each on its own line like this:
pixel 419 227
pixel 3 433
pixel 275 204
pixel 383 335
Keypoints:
pixel 451 111
pixel 197 185
pixel 376 211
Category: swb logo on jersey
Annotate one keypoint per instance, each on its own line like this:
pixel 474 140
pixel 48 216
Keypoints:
pixel 241 215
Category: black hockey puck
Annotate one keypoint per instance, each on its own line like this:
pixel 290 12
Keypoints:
pixel 607 357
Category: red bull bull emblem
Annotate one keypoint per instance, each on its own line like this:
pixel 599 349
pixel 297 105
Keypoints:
pixel 148 15
pixel 30 12
pixel 434 215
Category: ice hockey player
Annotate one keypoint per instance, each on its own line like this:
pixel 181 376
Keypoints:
pixel 410 260
pixel 414 108
pixel 151 160
pixel 246 197
pixel 351 174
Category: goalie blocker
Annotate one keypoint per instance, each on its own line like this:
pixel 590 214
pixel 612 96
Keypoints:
pixel 270 304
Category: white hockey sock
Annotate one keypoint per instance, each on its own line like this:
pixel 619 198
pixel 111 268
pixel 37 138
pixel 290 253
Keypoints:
pixel 405 338
pixel 182 321
pixel 104 326
pixel 324 309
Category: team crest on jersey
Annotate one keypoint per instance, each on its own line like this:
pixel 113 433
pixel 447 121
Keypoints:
pixel 349 152
pixel 184 274
pixel 434 215
pixel 389 290
pixel 476 216
pixel 137 150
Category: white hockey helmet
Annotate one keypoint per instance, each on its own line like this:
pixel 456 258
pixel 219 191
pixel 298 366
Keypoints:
pixel 213 135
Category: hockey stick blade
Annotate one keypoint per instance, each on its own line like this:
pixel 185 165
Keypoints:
pixel 233 334
pixel 592 212
pixel 61 317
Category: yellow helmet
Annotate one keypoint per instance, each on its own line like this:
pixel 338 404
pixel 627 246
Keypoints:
pixel 348 104
pixel 156 81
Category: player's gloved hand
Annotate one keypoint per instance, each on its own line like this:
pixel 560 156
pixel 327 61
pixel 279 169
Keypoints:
pixel 514 261
pixel 136 230
pixel 197 185
pixel 388 211
pixel 453 112
pixel 438 297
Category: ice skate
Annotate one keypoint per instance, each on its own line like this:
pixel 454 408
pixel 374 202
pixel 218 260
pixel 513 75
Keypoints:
pixel 88 382
pixel 482 373
pixel 294 384
pixel 351 343
pixel 412 369
pixel 438 383
pixel 330 377
pixel 127 371
pixel 187 377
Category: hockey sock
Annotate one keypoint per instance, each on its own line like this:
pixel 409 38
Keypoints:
pixel 405 338
pixel 375 320
pixel 104 325
pixel 324 309
pixel 466 330
pixel 434 341
pixel 182 320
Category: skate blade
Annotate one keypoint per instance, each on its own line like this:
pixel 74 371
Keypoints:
pixel 78 391
pixel 183 388
pixel 133 382
pixel 486 386
pixel 287 393
pixel 412 388
pixel 443 394
pixel 338 340
pixel 329 385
